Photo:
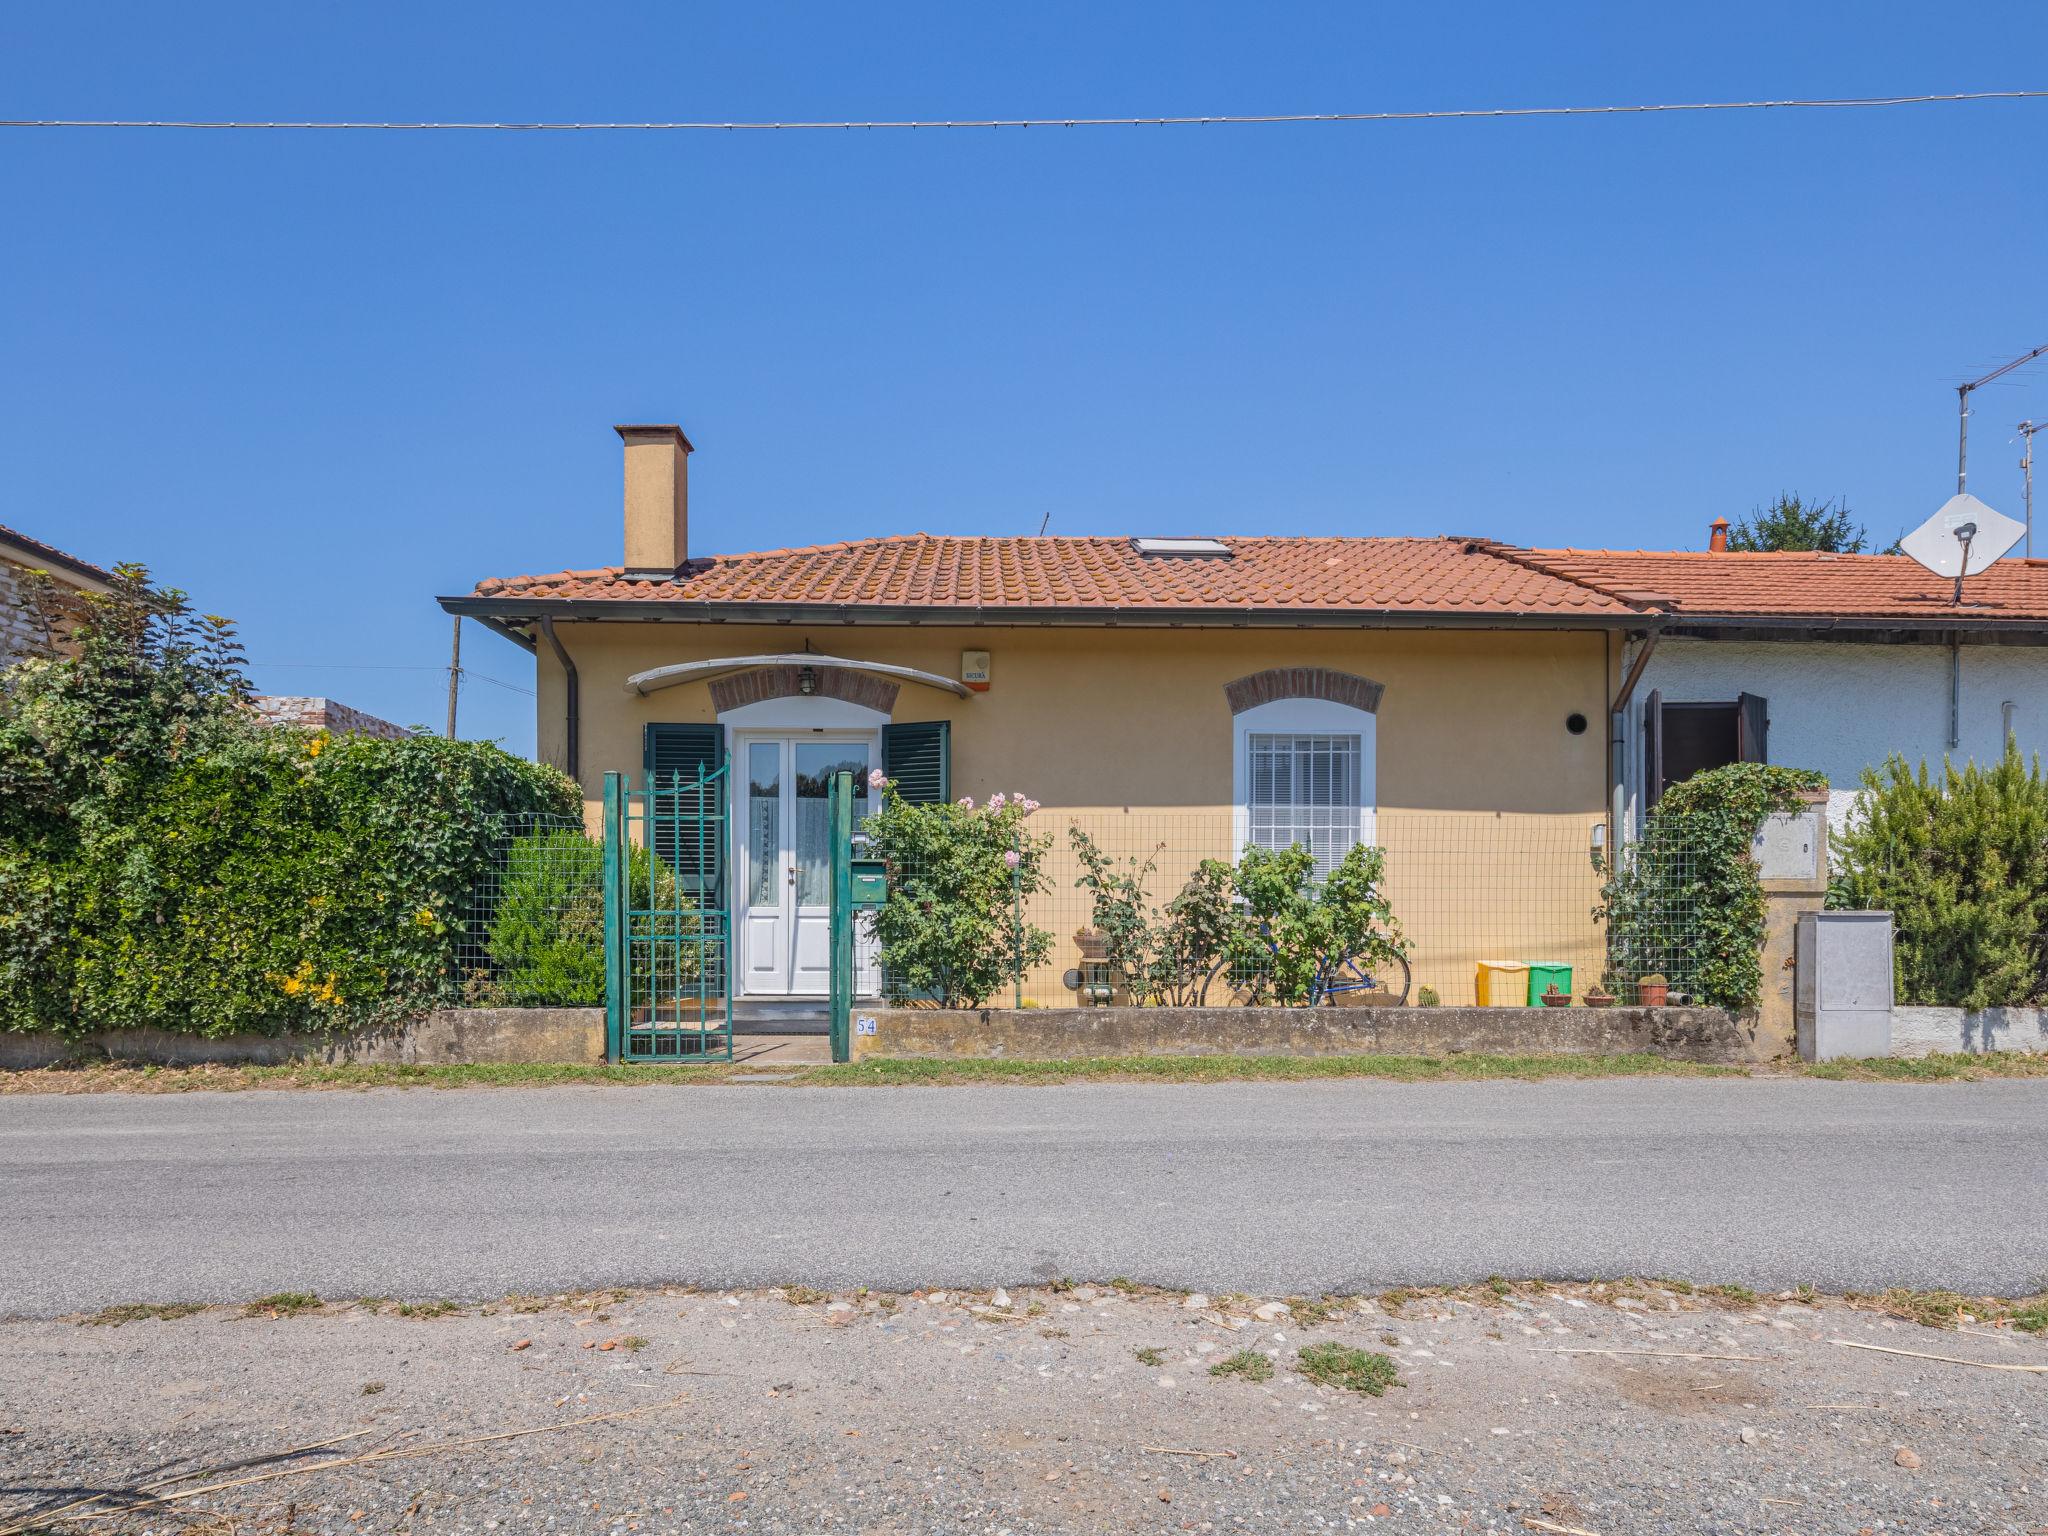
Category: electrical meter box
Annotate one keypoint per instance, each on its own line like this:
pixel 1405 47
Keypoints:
pixel 1842 994
pixel 870 883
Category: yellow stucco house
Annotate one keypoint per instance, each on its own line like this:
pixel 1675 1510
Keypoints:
pixel 1447 699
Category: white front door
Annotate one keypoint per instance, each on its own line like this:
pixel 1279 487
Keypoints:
pixel 784 859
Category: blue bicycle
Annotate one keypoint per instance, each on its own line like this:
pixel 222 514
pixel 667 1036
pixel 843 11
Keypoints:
pixel 1334 979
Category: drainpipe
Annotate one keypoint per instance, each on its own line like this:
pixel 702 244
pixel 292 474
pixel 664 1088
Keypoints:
pixel 1955 686
pixel 573 691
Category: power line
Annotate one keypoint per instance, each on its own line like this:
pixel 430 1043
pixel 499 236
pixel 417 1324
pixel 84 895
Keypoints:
pixel 366 666
pixel 1219 120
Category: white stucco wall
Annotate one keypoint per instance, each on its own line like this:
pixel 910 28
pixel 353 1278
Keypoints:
pixel 1843 707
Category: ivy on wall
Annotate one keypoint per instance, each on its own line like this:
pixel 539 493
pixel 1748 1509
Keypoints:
pixel 1685 902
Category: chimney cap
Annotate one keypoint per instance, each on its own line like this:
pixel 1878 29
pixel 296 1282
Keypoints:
pixel 1717 536
pixel 657 432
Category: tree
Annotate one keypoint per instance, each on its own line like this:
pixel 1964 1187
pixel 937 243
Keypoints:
pixel 1791 524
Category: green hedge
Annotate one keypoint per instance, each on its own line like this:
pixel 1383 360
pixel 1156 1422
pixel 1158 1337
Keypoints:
pixel 1960 860
pixel 168 862
pixel 281 882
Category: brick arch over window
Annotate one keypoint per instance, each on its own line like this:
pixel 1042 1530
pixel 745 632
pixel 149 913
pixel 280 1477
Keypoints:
pixel 764 683
pixel 1303 683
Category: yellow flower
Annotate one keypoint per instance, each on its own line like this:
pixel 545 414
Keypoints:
pixel 317 745
pixel 424 917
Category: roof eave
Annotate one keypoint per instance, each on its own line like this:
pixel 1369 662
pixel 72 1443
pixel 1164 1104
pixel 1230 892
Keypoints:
pixel 511 610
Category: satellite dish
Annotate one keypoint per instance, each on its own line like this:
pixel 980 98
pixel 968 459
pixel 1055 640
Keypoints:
pixel 1962 539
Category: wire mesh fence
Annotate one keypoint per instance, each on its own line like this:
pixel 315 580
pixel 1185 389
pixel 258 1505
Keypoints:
pixel 1140 906
pixel 1651 914
pixel 533 936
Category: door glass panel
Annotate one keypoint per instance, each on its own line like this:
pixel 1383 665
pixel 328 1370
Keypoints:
pixel 816 762
pixel 764 823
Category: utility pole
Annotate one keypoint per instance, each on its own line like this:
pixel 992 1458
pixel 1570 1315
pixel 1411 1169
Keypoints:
pixel 454 675
pixel 2027 431
pixel 1963 412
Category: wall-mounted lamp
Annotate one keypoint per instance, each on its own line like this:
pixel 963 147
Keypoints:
pixel 807 682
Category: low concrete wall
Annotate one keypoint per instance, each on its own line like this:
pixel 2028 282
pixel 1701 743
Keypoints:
pixel 446 1036
pixel 1051 1034
pixel 1921 1031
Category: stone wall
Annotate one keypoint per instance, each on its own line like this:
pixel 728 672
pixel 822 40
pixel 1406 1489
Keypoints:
pixel 1922 1031
pixel 447 1036
pixel 1051 1034
pixel 321 714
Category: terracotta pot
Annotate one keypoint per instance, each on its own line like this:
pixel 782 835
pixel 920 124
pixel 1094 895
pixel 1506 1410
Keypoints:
pixel 1651 994
pixel 1599 999
pixel 1557 1000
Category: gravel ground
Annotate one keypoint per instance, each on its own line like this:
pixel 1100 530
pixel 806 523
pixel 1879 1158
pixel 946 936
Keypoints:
pixel 1032 1412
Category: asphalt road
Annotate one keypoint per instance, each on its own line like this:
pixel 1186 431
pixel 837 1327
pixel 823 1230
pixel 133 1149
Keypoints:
pixel 1265 1188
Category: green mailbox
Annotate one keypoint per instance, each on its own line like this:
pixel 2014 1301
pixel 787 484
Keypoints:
pixel 870 883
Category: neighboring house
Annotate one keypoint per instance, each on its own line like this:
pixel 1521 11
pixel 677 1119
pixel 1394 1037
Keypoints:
pixel 1464 704
pixel 323 715
pixel 1823 661
pixel 18 554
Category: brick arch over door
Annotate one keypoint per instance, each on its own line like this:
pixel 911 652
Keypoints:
pixel 1303 683
pixel 764 683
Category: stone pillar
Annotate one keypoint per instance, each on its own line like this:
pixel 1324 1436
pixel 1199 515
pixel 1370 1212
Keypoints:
pixel 1791 853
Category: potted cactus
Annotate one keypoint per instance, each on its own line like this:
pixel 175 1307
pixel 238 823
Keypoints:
pixel 1652 990
pixel 1552 998
pixel 1598 996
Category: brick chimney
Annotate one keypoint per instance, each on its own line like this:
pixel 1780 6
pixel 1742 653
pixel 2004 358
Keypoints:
pixel 1717 533
pixel 657 501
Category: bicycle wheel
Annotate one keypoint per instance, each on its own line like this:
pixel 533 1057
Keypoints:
pixel 1350 977
pixel 1208 981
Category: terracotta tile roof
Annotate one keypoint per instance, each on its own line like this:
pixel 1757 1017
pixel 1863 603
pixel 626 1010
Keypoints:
pixel 1695 584
pixel 1451 576
pixel 23 550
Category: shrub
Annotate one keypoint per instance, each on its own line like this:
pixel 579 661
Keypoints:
pixel 545 931
pixel 167 861
pixel 950 931
pixel 1162 954
pixel 1961 863
pixel 1291 926
pixel 1685 900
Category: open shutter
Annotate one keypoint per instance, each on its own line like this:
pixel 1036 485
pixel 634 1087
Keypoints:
pixel 1653 750
pixel 918 755
pixel 684 822
pixel 1752 729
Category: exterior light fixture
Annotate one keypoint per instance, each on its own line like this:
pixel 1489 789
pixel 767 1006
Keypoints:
pixel 807 682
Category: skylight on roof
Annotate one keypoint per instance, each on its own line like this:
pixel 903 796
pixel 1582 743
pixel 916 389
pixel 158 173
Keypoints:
pixel 1181 547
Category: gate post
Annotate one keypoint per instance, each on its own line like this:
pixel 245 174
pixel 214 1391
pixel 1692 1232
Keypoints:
pixel 615 957
pixel 841 1003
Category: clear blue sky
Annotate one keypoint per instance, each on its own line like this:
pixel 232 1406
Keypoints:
pixel 317 380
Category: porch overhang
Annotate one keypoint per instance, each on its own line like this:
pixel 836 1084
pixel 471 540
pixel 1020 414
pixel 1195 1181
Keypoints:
pixel 705 671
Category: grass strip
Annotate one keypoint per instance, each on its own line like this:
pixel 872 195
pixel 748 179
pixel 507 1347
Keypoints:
pixel 888 1072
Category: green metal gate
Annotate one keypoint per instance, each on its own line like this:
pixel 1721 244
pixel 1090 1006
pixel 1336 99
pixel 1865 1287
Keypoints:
pixel 668 916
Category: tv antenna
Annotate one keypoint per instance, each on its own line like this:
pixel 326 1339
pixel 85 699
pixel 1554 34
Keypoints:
pixel 1963 412
pixel 2027 429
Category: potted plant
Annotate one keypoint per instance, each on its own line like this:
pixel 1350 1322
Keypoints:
pixel 1552 998
pixel 1598 996
pixel 1652 990
pixel 1426 997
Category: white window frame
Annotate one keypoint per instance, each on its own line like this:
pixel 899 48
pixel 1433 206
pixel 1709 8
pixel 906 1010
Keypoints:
pixel 1303 717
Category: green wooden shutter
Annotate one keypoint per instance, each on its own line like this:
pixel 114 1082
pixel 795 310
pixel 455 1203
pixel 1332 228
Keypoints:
pixel 683 822
pixel 918 755
pixel 689 750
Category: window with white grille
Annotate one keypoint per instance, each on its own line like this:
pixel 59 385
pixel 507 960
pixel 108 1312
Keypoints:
pixel 1305 788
